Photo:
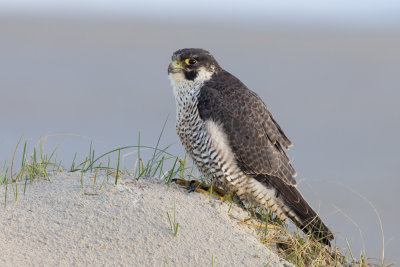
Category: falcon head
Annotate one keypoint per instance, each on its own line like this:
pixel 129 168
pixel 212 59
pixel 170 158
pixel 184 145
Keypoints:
pixel 192 64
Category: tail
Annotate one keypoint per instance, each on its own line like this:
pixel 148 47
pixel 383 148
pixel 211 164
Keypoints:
pixel 297 209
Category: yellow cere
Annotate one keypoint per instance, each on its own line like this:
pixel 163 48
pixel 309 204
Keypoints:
pixel 177 64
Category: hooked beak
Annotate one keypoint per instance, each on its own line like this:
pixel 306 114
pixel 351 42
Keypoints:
pixel 174 67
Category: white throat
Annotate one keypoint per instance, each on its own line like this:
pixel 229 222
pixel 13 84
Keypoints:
pixel 183 87
pixel 186 91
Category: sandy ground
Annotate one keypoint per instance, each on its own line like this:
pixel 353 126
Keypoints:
pixel 62 223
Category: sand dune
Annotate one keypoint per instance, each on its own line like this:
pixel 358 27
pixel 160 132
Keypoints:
pixel 62 223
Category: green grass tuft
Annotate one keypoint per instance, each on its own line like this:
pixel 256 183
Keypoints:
pixel 173 223
pixel 296 247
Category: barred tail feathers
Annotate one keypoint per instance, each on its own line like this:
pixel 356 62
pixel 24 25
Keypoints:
pixel 297 209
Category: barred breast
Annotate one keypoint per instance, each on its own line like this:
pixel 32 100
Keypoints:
pixel 207 145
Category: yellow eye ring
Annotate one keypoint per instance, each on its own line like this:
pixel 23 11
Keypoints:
pixel 190 61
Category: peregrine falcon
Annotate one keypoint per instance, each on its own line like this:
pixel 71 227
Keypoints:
pixel 233 138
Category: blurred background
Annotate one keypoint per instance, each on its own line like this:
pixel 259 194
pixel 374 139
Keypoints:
pixel 96 71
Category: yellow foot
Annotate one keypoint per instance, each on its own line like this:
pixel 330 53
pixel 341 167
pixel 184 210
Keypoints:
pixel 207 189
pixel 246 221
pixel 269 226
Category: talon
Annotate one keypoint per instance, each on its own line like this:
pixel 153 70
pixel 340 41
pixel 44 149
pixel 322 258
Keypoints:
pixel 196 186
pixel 180 181
pixel 194 183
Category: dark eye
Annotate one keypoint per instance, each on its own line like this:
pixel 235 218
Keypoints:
pixel 190 61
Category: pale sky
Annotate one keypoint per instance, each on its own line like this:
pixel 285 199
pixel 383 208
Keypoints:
pixel 361 12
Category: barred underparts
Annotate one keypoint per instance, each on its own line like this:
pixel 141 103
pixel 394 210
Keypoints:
pixel 233 138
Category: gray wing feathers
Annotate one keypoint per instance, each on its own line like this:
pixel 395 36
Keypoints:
pixel 256 139
pixel 270 126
